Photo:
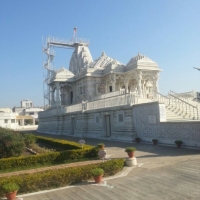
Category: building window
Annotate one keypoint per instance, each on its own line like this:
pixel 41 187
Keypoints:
pixel 110 88
pixel 5 121
pixel 31 113
pixel 81 90
pixel 120 117
pixel 97 118
pixel 12 120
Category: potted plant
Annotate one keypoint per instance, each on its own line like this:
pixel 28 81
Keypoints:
pixel 130 151
pixel 178 143
pixel 137 139
pixel 97 174
pixel 155 141
pixel 101 145
pixel 10 190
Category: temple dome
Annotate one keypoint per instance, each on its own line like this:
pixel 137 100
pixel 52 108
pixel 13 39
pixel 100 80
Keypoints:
pixel 103 61
pixel 81 57
pixel 62 75
pixel 142 62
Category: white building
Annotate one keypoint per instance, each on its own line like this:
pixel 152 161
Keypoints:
pixel 19 117
pixel 8 118
pixel 105 98
pixel 26 104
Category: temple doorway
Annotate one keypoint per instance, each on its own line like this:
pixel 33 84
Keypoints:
pixel 73 125
pixel 107 125
pixel 71 97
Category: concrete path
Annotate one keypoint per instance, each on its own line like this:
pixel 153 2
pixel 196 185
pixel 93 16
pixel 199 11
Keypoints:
pixel 162 173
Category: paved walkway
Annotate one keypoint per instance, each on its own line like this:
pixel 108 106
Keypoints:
pixel 162 173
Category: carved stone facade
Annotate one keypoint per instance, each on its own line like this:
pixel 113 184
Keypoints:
pixel 86 78
pixel 98 99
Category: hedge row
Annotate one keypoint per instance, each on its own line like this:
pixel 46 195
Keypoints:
pixel 60 177
pixel 48 158
pixel 63 144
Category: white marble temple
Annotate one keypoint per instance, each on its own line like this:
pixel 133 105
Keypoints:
pixel 99 98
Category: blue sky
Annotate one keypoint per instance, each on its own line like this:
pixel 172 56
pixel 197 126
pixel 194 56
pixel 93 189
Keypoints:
pixel 167 31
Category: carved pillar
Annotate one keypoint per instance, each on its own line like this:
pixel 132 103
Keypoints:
pixel 52 96
pixel 155 83
pixel 113 86
pixel 57 93
pixel 106 87
pixel 112 78
pixel 126 86
pixel 126 82
pixel 144 89
pixel 139 84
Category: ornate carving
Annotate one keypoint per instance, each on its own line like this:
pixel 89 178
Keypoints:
pixel 101 88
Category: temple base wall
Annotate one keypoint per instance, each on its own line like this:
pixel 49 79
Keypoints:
pixel 122 124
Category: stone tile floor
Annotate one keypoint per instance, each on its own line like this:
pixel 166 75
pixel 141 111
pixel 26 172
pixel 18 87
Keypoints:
pixel 162 173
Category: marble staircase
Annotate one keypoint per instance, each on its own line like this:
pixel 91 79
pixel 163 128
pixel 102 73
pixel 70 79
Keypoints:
pixel 175 115
pixel 178 109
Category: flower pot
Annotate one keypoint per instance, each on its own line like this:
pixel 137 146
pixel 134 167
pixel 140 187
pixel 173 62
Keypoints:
pixel 11 196
pixel 98 179
pixel 130 162
pixel 155 142
pixel 131 154
pixel 137 140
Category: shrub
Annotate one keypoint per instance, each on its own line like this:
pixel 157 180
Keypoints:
pixel 100 145
pixel 48 158
pixel 178 142
pixel 111 168
pixel 137 139
pixel 29 139
pixel 97 172
pixel 130 149
pixel 62 144
pixel 10 187
pixel 11 143
pixel 60 177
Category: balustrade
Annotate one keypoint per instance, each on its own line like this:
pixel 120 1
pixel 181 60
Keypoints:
pixel 178 104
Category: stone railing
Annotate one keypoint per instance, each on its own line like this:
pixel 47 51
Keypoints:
pixel 184 108
pixel 187 109
pixel 103 96
pixel 161 98
pixel 74 108
pixel 109 102
pixel 119 100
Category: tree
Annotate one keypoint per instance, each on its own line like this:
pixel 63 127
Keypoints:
pixel 11 143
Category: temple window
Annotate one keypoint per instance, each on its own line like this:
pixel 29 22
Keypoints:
pixel 81 90
pixel 97 118
pixel 120 117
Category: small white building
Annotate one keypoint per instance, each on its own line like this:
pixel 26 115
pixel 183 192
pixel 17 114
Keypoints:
pixel 19 117
pixel 26 104
pixel 8 118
